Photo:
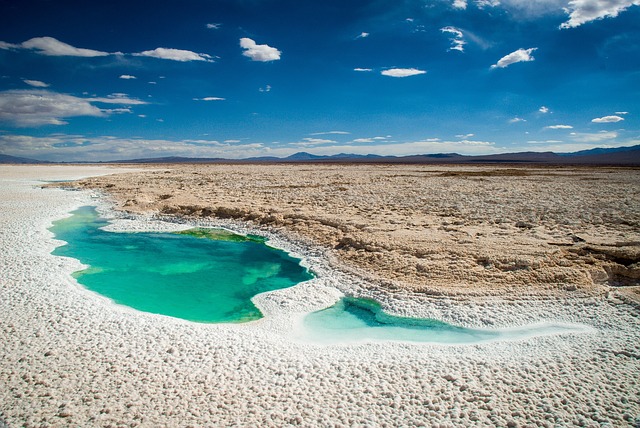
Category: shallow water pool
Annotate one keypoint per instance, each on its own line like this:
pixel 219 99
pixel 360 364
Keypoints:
pixel 205 275
pixel 353 320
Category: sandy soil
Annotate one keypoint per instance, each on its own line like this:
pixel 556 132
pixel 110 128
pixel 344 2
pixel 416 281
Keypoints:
pixel 436 230
pixel 73 358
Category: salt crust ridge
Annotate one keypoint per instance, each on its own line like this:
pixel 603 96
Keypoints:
pixel 72 357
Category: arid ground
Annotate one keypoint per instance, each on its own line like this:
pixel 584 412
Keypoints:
pixel 453 230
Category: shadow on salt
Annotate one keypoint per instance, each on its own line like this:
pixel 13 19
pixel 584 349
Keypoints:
pixel 353 320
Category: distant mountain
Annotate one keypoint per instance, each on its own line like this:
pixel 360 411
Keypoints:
pixel 17 160
pixel 623 156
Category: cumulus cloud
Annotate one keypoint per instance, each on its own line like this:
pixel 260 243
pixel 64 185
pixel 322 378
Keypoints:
pixel 26 108
pixel 175 55
pixel 363 35
pixel 559 127
pixel 543 109
pixel 607 119
pixel 402 72
pixel 457 39
pixel 262 53
pixel 460 4
pixel 521 55
pixel 127 77
pixel 583 11
pixel 209 99
pixel 36 83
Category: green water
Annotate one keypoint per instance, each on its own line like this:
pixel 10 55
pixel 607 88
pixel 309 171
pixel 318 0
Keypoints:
pixel 353 320
pixel 200 275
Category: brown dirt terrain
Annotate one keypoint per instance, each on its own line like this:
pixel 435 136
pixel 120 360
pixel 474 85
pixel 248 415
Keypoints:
pixel 442 230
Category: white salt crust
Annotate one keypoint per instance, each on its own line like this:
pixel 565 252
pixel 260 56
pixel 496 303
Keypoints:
pixel 73 358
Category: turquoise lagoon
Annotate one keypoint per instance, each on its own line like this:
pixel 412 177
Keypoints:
pixel 352 320
pixel 204 275
pixel 211 275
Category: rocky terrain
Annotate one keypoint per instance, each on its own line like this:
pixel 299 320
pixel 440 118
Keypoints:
pixel 452 230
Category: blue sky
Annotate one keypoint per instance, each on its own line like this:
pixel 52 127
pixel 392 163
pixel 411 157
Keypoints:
pixel 210 78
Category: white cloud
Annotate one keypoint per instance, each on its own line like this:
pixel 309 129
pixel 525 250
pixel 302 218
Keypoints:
pixel 402 72
pixel 369 140
pixel 265 89
pixel 457 40
pixel 8 46
pixel 363 35
pixel 607 119
pixel 26 108
pixel 262 53
pixel 117 99
pixel 175 55
pixel 127 77
pixel 36 83
pixel 622 112
pixel 559 127
pixel 214 26
pixel 583 11
pixel 53 47
pixel 459 4
pixel 487 3
pixel 232 141
pixel 521 55
pixel 517 119
pixel 363 69
pixel 209 99
pixel 332 133
pixel 543 109
pixel 594 137
pixel 311 142
pixel 465 136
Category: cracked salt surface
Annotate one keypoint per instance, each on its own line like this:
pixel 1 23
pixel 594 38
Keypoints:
pixel 72 358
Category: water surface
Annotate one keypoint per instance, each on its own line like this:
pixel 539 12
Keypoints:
pixel 353 320
pixel 200 275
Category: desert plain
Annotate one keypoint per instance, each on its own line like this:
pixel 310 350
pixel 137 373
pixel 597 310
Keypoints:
pixel 480 246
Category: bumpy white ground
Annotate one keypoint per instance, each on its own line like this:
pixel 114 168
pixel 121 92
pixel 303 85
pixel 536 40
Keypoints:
pixel 71 357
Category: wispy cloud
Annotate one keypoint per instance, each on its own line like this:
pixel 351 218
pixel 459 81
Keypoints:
pixel 583 11
pixel 209 99
pixel 262 53
pixel 332 133
pixel 521 55
pixel 127 77
pixel 517 120
pixel 543 110
pixel 607 119
pixel 175 55
pixel 53 47
pixel 32 108
pixel 594 137
pixel 265 89
pixel 402 72
pixel 362 69
pixel 36 83
pixel 363 35
pixel 457 39
pixel 558 127
pixel 214 26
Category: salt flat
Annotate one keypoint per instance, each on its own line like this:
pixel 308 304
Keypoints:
pixel 70 357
